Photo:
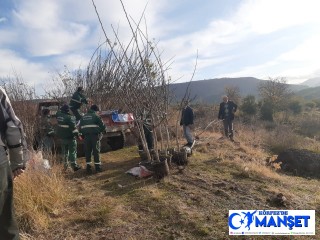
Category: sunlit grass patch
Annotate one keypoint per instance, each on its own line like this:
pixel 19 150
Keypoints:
pixel 39 196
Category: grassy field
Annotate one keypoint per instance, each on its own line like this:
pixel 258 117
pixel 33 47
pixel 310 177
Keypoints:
pixel 192 204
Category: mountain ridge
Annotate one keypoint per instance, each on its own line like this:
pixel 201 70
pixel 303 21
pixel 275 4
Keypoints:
pixel 211 90
pixel 312 82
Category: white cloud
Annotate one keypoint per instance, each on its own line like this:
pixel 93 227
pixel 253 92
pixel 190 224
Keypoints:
pixel 8 37
pixel 260 71
pixel 266 16
pixel 33 73
pixel 307 51
pixel 299 63
pixel 72 61
pixel 58 26
pixel 54 42
pixel 69 30
pixel 44 32
pixel 3 19
pixel 34 14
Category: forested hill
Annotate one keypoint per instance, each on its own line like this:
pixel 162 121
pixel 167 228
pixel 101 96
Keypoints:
pixel 211 91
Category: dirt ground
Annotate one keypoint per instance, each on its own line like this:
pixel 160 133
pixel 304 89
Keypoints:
pixel 192 204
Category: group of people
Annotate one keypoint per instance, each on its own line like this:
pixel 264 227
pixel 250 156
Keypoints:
pixel 226 113
pixel 91 128
pixel 71 127
pixel 13 146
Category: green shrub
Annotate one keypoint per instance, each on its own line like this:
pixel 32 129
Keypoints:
pixel 310 105
pixel 266 111
pixel 249 105
pixel 295 106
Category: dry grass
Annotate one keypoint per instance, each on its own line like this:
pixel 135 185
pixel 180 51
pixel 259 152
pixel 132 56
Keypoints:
pixel 308 124
pixel 257 170
pixel 39 197
pixel 194 204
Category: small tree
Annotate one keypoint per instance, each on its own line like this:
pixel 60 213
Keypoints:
pixel 249 106
pixel 310 105
pixel 275 94
pixel 295 106
pixel 233 93
pixel 317 102
pixel 21 95
pixel 266 111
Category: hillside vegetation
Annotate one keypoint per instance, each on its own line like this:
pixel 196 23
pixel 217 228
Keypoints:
pixel 211 90
pixel 309 93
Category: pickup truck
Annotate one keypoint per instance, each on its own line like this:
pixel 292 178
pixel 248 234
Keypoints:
pixel 117 126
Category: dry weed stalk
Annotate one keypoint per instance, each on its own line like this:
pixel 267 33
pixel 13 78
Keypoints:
pixel 21 96
pixel 135 77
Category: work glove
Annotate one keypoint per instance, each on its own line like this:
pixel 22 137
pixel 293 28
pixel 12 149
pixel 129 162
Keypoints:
pixel 80 136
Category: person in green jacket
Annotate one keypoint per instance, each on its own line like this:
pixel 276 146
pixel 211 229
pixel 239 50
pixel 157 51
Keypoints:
pixel 92 128
pixel 67 132
pixel 76 102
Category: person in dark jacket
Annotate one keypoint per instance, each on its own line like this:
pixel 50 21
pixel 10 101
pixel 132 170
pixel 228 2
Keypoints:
pixel 76 102
pixel 186 122
pixel 92 128
pixel 226 113
pixel 46 131
pixel 12 141
pixel 148 128
pixel 67 132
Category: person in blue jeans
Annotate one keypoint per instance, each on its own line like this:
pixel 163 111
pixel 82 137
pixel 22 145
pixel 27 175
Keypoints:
pixel 186 122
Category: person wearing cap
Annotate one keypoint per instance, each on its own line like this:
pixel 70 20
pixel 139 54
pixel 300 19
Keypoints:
pixel 92 128
pixel 12 141
pixel 67 132
pixel 76 102
pixel 226 113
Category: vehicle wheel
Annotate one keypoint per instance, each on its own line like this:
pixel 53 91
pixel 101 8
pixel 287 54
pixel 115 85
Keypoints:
pixel 104 145
pixel 116 142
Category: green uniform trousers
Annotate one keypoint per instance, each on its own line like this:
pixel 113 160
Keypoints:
pixel 76 113
pixel 92 147
pixel 69 152
pixel 8 224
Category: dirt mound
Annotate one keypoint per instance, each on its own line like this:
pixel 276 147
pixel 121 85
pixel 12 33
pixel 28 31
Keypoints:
pixel 300 162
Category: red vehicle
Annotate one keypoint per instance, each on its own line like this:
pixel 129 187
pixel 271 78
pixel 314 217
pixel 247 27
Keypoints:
pixel 117 126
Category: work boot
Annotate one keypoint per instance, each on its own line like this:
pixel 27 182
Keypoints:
pixel 98 168
pixel 76 167
pixel 89 169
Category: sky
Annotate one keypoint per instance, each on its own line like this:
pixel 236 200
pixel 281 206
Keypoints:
pixel 227 38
